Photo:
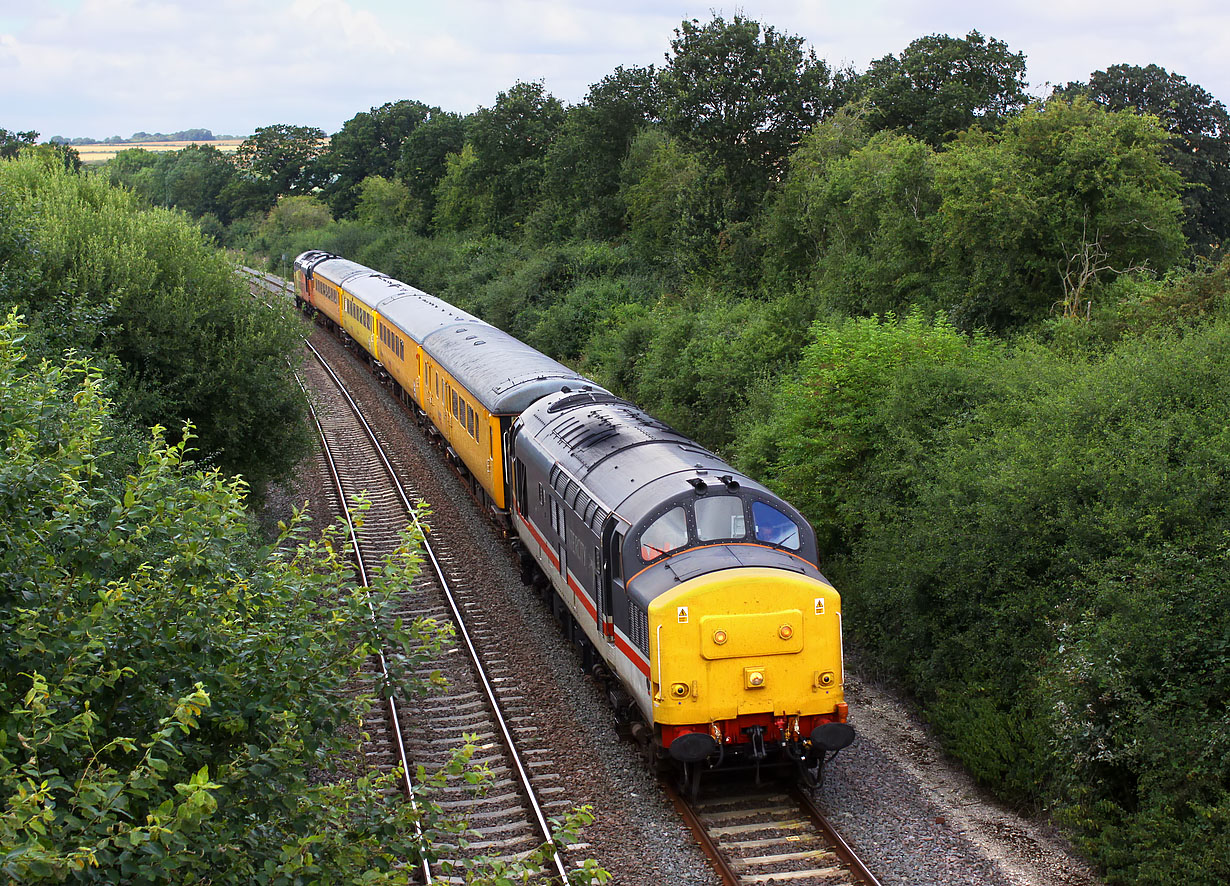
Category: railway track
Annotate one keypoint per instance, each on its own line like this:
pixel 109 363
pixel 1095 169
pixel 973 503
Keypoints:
pixel 509 819
pixel 774 836
pixel 751 837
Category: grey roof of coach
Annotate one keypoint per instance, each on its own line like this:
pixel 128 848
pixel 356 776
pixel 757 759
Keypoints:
pixel 505 374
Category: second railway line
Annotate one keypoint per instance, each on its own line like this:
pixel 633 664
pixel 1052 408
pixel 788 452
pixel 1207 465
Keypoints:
pixel 509 820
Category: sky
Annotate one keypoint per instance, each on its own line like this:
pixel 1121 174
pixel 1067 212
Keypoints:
pixel 97 68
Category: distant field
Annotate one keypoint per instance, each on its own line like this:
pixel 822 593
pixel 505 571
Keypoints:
pixel 103 153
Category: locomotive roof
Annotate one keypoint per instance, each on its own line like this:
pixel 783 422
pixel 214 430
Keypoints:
pixel 627 458
pixel 506 375
pixel 311 257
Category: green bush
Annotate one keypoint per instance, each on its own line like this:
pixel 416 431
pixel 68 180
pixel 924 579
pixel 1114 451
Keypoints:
pixel 826 428
pixel 177 703
pixel 165 683
pixel 144 290
pixel 1054 589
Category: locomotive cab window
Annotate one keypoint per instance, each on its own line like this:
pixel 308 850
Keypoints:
pixel 773 527
pixel 665 534
pixel 720 516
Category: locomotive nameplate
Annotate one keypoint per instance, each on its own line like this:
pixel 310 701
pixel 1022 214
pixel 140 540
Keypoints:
pixel 751 634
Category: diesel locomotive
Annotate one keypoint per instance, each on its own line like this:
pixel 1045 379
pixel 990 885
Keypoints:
pixel 691 588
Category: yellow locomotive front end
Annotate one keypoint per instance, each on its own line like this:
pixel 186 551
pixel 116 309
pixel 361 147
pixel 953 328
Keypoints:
pixel 746 665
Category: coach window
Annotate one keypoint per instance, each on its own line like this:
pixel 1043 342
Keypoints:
pixel 665 534
pixel 719 516
pixel 773 527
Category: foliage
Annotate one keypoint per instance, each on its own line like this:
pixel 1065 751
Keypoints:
pixel 1019 209
pixel 167 686
pixel 281 160
pixel 510 141
pixel 301 213
pixel 460 205
pixel 143 289
pixel 744 94
pixel 423 161
pixel 852 219
pixel 384 201
pixel 1067 558
pixel 199 179
pixel 11 143
pixel 942 85
pixel 676 204
pixel 1200 149
pixel 369 144
pixel 823 432
pixel 581 179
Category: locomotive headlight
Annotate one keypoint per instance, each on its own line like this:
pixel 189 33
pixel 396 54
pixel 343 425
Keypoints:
pixel 680 690
pixel 785 632
pixel 719 637
pixel 825 679
pixel 753 678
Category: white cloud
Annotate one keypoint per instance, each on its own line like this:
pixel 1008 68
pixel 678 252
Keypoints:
pixel 103 67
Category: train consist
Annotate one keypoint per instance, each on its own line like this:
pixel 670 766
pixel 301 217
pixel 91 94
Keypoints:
pixel 691 588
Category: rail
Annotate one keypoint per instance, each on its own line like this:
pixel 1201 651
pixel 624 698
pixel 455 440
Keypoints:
pixel 519 765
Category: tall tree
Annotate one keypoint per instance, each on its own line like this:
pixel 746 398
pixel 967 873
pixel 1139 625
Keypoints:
pixel 510 141
pixel 942 85
pixel 424 159
pixel 581 182
pixel 1200 150
pixel 12 142
pixel 369 143
pixel 745 94
pixel 281 159
pixel 1067 194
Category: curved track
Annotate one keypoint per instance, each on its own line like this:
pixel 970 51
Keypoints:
pixel 752 836
pixel 508 820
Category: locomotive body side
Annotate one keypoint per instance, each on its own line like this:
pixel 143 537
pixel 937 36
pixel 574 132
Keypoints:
pixel 695 584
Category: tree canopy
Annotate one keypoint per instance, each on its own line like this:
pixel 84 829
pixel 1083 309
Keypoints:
pixel 744 93
pixel 510 141
pixel 369 143
pixel 142 289
pixel 1200 150
pixel 941 85
pixel 281 159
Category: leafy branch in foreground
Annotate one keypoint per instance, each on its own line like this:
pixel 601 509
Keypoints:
pixel 172 694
